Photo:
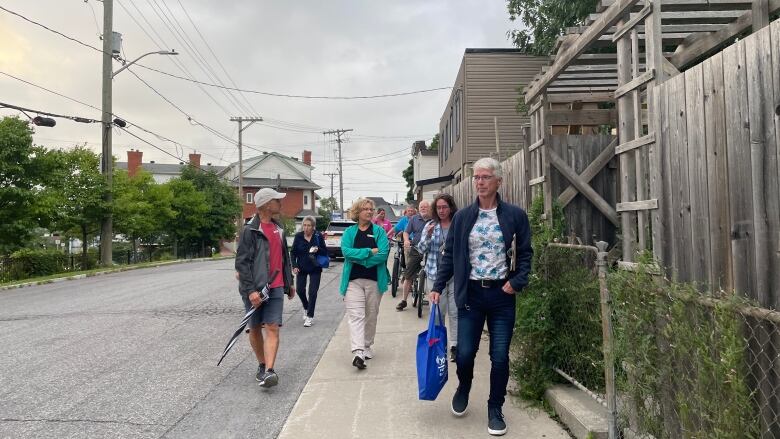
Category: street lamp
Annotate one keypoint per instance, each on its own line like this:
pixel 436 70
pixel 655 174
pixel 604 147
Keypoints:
pixel 112 47
pixel 128 64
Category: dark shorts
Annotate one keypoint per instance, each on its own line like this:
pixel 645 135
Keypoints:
pixel 413 263
pixel 269 312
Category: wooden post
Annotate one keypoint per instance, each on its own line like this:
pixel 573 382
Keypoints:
pixel 760 14
pixel 626 132
pixel 545 153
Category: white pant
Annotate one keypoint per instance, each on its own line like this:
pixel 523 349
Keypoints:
pixel 362 303
pixel 448 308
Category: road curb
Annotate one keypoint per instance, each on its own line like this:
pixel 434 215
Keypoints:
pixel 110 271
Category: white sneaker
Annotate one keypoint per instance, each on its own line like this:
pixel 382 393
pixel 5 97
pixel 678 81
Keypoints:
pixel 368 353
pixel 304 315
pixel 308 321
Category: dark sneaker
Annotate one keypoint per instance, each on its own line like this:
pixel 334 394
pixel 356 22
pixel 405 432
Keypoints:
pixel 270 379
pixel 453 353
pixel 359 362
pixel 260 372
pixel 460 402
pixel 496 424
pixel 401 306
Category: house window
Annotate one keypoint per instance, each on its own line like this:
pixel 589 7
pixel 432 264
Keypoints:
pixel 457 115
pixel 305 201
pixel 449 136
pixel 249 198
pixel 445 141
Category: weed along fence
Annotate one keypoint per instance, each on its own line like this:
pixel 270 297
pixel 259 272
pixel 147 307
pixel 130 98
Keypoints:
pixel 688 196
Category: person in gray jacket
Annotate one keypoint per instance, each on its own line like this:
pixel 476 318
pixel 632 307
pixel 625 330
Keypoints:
pixel 262 259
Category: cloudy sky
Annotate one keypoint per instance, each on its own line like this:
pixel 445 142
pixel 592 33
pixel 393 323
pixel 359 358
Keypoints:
pixel 311 48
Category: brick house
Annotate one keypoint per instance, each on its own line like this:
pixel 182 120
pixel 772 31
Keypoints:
pixel 280 172
pixel 270 169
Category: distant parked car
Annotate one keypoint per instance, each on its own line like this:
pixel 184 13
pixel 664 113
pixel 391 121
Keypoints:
pixel 333 236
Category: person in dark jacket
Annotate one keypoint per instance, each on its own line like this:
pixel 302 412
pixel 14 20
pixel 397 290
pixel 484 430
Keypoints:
pixel 488 250
pixel 307 245
pixel 262 260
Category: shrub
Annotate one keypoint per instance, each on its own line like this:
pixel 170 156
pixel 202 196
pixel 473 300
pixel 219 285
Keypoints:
pixel 31 263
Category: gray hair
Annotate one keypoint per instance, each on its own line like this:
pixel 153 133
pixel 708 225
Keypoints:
pixel 489 164
pixel 310 219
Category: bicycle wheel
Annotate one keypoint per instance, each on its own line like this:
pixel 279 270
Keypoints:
pixel 420 292
pixel 394 285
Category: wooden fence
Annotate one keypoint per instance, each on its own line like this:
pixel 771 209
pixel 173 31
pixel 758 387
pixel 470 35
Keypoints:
pixel 718 152
pixel 582 218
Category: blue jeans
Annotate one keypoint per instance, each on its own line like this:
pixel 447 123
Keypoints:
pixel 498 308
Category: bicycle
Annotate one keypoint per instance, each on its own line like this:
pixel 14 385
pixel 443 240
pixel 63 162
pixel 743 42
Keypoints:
pixel 399 264
pixel 418 289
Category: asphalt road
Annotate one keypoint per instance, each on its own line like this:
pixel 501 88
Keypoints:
pixel 133 355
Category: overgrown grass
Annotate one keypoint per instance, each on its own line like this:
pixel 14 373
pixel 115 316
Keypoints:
pixel 681 365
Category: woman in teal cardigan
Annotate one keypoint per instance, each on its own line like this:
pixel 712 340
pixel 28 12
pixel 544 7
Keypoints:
pixel 363 278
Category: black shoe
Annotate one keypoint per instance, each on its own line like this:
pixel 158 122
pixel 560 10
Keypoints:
pixel 270 379
pixel 460 402
pixel 496 424
pixel 359 362
pixel 401 306
pixel 260 372
pixel 453 353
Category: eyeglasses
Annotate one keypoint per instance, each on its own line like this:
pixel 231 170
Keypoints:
pixel 483 177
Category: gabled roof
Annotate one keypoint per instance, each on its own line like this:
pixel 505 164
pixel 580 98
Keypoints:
pixel 266 156
pixel 169 168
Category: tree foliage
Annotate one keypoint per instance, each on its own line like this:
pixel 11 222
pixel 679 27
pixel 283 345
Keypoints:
pixel 141 207
pixel 190 208
pixel 223 203
pixel 21 174
pixel 325 211
pixel 75 190
pixel 543 21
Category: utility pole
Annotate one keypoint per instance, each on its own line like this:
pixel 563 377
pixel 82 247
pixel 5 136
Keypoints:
pixel 338 134
pixel 241 129
pixel 107 162
pixel 331 175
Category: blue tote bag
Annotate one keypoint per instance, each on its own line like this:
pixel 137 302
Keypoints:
pixel 323 261
pixel 432 357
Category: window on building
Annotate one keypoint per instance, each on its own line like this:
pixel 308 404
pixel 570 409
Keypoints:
pixel 451 130
pixel 249 198
pixel 445 141
pixel 458 112
pixel 305 201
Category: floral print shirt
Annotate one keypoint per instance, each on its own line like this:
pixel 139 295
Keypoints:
pixel 487 249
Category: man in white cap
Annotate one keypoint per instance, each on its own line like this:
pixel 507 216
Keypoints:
pixel 262 259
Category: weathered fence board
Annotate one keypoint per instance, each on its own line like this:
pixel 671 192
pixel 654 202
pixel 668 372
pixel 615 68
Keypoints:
pixel 701 269
pixel 717 171
pixel 740 183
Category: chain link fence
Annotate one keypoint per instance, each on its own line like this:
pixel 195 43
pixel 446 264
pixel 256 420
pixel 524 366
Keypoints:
pixel 693 364
pixel 666 360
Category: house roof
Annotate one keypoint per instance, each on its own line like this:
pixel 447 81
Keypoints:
pixel 429 152
pixel 282 183
pixel 307 212
pixel 168 168
pixel 495 50
pixel 303 183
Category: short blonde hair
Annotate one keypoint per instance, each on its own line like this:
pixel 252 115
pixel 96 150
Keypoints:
pixel 357 206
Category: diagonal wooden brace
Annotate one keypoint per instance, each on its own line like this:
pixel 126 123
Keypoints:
pixel 584 188
pixel 589 173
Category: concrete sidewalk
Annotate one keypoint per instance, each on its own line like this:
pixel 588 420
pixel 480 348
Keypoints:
pixel 339 401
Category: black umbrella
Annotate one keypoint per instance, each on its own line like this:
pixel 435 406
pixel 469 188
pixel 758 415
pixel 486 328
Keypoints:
pixel 245 320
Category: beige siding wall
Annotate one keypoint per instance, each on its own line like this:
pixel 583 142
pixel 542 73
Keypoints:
pixel 492 82
pixel 450 160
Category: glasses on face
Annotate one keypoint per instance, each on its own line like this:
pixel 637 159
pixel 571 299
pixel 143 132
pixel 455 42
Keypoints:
pixel 483 177
pixel 445 207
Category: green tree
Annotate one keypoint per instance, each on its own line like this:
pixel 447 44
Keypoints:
pixel 408 173
pixel 325 211
pixel 21 174
pixel 142 207
pixel 190 208
pixel 544 21
pixel 224 206
pixel 75 190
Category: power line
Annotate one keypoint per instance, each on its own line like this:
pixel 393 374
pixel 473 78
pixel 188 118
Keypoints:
pixel 264 93
pixel 176 62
